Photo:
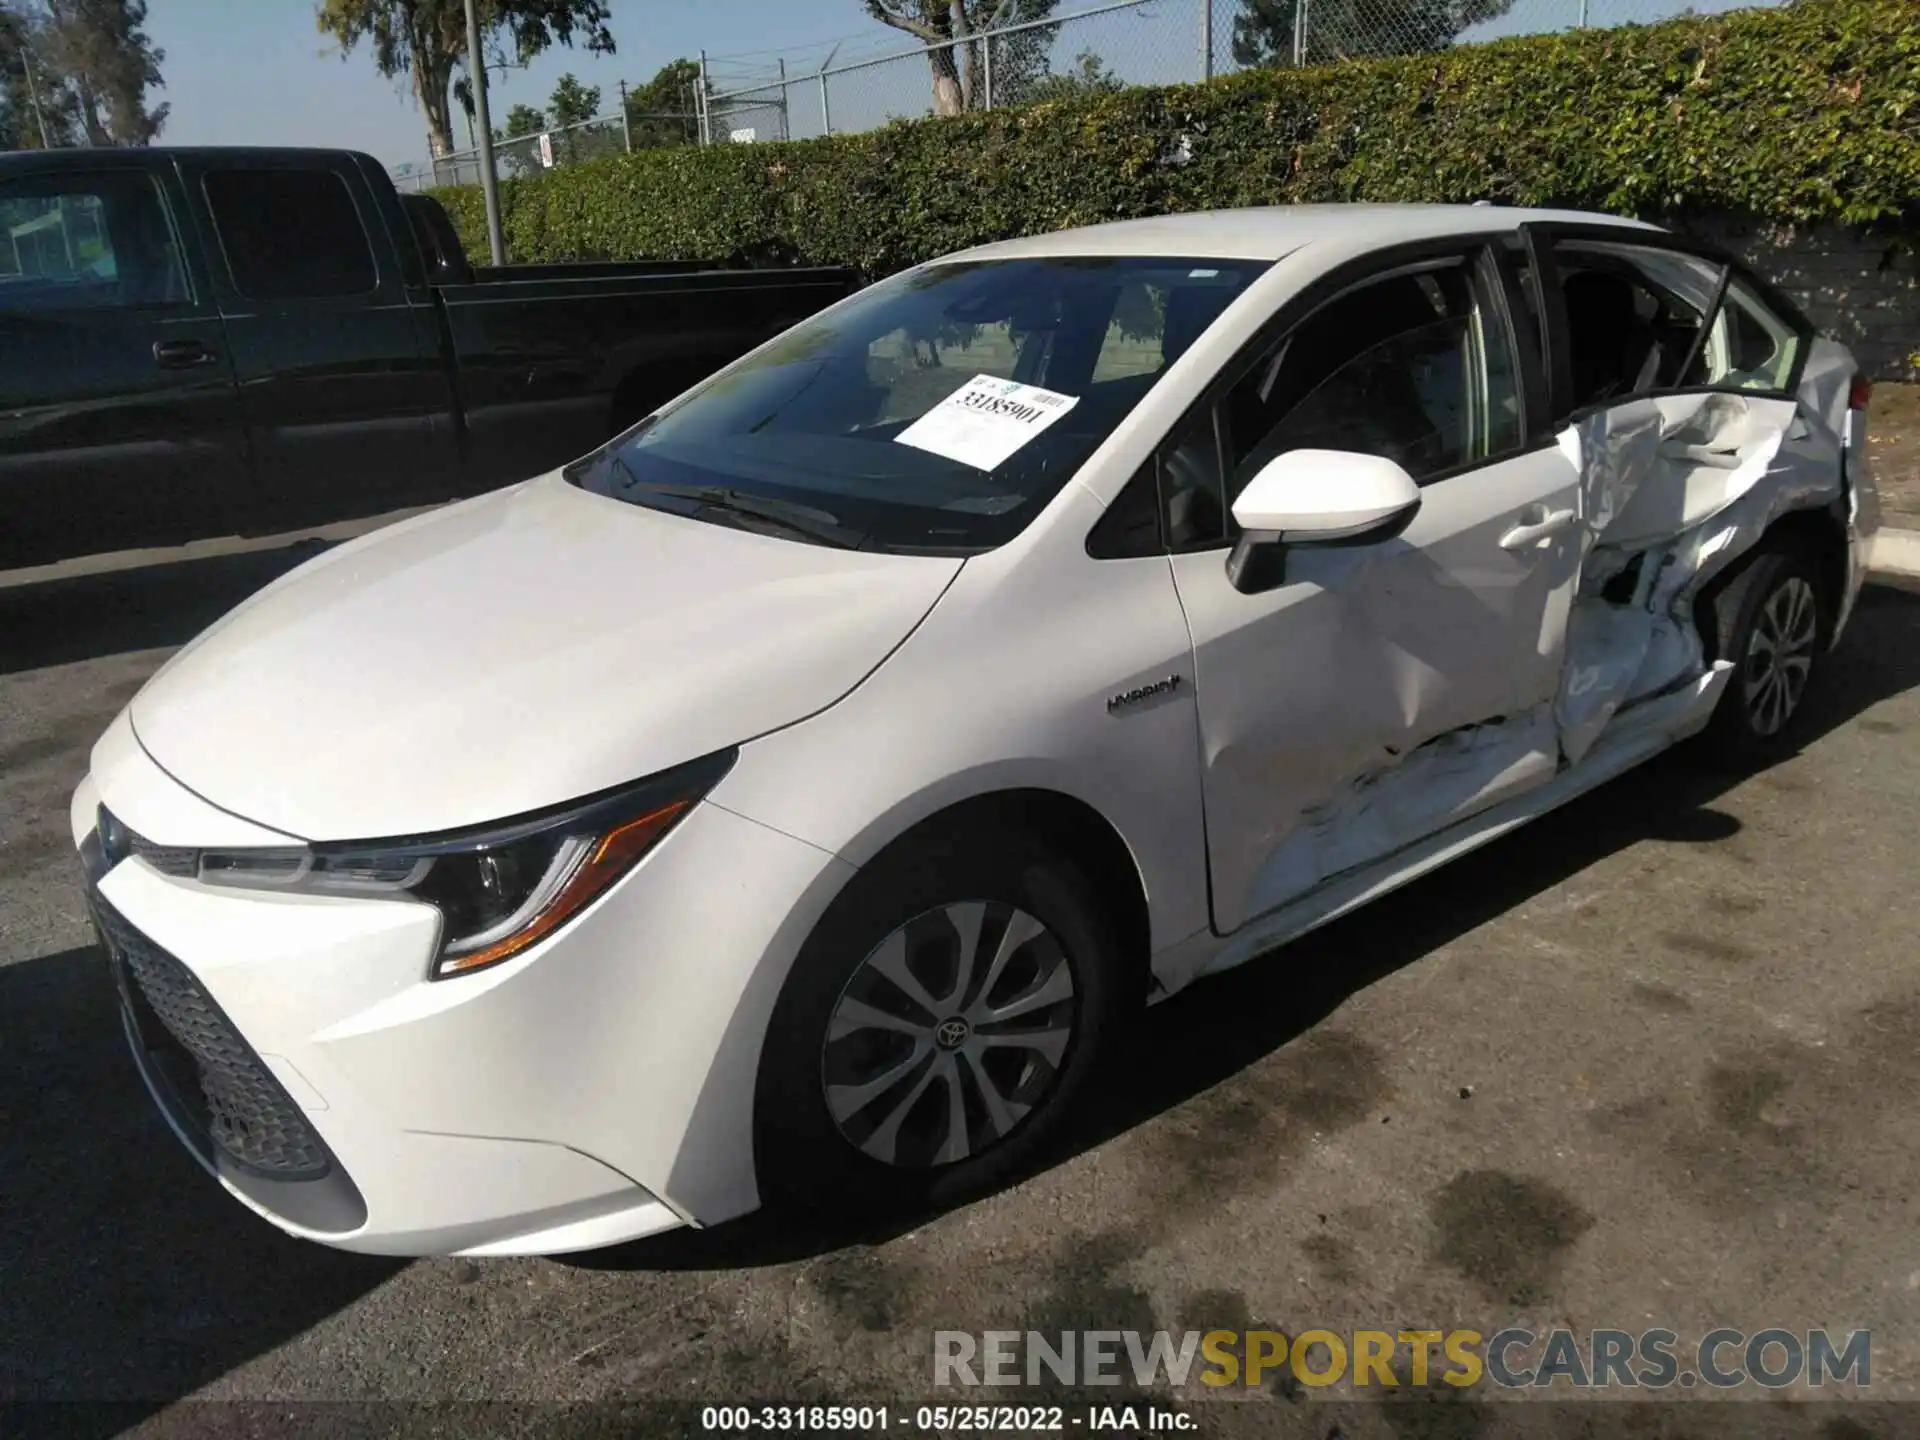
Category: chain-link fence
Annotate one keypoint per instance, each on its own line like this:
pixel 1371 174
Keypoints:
pixel 1119 43
pixel 1094 47
pixel 1318 32
pixel 565 145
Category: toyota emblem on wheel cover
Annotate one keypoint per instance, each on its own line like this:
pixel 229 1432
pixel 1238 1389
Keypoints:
pixel 951 1034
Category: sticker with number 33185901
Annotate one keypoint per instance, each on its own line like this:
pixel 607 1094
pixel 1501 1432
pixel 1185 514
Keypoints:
pixel 986 421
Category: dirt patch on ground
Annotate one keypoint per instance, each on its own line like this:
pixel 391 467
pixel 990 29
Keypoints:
pixel 1893 448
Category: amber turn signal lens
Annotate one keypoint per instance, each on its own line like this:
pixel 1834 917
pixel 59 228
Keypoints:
pixel 612 855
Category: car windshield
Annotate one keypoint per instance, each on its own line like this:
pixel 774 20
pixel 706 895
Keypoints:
pixel 937 411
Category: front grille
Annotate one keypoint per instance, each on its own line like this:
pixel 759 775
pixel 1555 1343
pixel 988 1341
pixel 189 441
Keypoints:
pixel 172 860
pixel 221 1089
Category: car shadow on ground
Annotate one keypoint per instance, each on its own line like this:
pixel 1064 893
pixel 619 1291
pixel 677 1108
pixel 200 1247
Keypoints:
pixel 1220 1026
pixel 129 1274
pixel 56 622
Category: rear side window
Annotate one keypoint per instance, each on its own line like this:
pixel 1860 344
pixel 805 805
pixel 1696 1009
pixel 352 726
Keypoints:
pixel 1634 314
pixel 290 234
pixel 1749 347
pixel 88 241
pixel 1641 319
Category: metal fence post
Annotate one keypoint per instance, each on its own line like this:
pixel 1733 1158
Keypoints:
pixel 33 95
pixel 626 121
pixel 706 120
pixel 986 70
pixel 489 184
pixel 826 113
pixel 1206 39
pixel 1299 33
pixel 786 132
pixel 1583 14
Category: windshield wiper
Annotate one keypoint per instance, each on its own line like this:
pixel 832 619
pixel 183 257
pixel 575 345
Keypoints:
pixel 822 526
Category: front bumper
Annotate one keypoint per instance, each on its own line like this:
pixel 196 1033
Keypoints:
pixel 594 1090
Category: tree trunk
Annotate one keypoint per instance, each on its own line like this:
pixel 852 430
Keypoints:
pixel 96 129
pixel 976 86
pixel 432 82
pixel 948 97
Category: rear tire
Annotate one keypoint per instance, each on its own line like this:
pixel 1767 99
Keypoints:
pixel 871 1101
pixel 1773 619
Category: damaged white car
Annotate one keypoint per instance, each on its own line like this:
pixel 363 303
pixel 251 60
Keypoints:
pixel 793 798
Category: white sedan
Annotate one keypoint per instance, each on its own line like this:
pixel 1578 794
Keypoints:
pixel 793 799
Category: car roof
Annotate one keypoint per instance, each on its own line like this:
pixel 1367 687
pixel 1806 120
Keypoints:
pixel 36 162
pixel 1271 231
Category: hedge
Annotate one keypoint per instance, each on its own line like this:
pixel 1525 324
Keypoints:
pixel 1809 112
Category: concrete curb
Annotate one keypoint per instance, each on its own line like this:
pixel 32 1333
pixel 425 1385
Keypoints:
pixel 1894 560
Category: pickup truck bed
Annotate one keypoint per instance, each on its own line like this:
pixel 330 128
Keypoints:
pixel 208 342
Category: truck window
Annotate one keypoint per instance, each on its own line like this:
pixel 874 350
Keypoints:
pixel 84 241
pixel 290 234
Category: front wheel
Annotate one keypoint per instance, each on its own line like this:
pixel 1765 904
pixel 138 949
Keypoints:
pixel 1772 620
pixel 937 1027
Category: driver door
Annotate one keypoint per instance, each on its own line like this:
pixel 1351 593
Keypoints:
pixel 1385 689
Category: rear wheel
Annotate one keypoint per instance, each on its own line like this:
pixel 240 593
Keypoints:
pixel 1772 620
pixel 936 1028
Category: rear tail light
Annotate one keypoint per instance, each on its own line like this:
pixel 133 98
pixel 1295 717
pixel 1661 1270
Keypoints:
pixel 1860 394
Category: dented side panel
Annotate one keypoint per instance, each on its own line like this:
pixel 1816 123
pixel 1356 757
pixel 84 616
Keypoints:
pixel 1317 698
pixel 1826 392
pixel 1673 489
pixel 1387 692
pixel 1421 687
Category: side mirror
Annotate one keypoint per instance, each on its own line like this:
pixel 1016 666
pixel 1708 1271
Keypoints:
pixel 1316 497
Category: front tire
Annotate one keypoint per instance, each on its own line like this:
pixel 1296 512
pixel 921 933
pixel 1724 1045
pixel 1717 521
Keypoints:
pixel 1773 620
pixel 938 1026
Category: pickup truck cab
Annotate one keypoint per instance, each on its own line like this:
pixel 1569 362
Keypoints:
pixel 208 342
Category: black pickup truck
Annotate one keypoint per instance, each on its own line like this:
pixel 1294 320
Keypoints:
pixel 206 342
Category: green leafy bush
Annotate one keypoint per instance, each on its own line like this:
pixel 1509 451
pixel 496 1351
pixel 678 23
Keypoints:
pixel 1809 112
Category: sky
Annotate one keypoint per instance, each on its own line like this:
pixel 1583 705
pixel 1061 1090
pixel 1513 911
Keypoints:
pixel 259 72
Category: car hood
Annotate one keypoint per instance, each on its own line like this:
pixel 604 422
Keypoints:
pixel 512 652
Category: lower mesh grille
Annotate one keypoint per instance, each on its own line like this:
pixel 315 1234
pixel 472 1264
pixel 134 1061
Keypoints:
pixel 167 859
pixel 228 1094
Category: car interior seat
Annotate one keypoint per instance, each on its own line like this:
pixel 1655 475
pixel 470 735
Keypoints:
pixel 1611 347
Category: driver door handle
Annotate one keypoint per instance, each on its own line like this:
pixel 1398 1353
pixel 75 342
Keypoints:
pixel 1531 532
pixel 182 354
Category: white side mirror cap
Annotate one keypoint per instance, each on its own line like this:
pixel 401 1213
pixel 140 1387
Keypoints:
pixel 1307 495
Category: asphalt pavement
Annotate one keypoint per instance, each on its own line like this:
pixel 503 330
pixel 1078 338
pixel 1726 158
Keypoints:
pixel 1649 1062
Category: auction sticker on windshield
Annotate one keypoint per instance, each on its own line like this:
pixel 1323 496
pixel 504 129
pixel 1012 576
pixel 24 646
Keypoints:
pixel 986 421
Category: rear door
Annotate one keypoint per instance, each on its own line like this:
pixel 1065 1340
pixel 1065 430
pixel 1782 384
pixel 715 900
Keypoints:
pixel 344 391
pixel 1630 314
pixel 119 424
pixel 1678 375
pixel 1385 689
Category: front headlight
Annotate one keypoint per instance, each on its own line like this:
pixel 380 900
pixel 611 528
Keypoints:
pixel 498 889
